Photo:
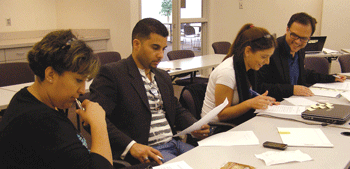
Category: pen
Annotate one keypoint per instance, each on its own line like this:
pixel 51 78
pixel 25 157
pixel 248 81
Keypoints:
pixel 337 76
pixel 79 104
pixel 254 92
pixel 160 158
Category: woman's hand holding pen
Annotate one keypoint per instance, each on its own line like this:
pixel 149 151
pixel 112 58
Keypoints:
pixel 92 113
pixel 339 78
pixel 263 101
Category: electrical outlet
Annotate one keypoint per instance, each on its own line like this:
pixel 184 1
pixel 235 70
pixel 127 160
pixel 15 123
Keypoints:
pixel 240 5
pixel 8 21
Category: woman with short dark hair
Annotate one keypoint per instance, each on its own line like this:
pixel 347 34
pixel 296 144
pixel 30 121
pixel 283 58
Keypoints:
pixel 35 130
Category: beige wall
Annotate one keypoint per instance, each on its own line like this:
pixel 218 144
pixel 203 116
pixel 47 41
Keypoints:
pixel 107 14
pixel 226 18
pixel 336 23
pixel 27 15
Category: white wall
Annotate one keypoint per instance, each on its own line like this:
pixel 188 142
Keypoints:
pixel 27 15
pixel 226 18
pixel 336 23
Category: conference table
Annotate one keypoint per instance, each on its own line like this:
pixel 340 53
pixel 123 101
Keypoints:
pixel 6 96
pixel 265 129
pixel 179 66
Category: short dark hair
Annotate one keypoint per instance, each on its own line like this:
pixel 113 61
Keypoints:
pixel 146 26
pixel 63 52
pixel 303 18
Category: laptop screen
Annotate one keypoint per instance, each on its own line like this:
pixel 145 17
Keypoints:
pixel 315 44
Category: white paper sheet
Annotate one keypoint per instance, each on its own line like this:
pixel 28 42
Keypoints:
pixel 304 137
pixel 345 74
pixel 283 109
pixel 279 157
pixel 325 92
pixel 175 165
pixel 230 138
pixel 204 120
pixel 346 95
pixel 300 101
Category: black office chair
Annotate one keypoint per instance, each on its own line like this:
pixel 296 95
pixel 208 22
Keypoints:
pixel 15 73
pixel 191 98
pixel 344 62
pixel 221 47
pixel 108 57
pixel 183 81
pixel 318 64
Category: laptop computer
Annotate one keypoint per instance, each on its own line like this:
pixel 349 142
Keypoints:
pixel 315 44
pixel 339 114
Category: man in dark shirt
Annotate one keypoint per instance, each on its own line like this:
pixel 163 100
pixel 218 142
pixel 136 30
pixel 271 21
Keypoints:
pixel 285 75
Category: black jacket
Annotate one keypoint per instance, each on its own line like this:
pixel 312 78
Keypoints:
pixel 276 79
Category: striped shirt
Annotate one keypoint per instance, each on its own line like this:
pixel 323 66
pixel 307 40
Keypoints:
pixel 160 131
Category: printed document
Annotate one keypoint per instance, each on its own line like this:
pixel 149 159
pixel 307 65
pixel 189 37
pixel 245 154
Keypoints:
pixel 335 85
pixel 283 109
pixel 304 137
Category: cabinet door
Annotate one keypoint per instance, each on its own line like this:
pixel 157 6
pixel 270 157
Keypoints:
pixel 97 45
pixel 17 53
pixel 2 55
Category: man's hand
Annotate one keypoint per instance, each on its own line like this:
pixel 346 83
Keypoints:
pixel 144 153
pixel 302 91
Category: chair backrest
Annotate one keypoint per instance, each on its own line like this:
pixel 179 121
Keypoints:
pixel 180 54
pixel 221 47
pixel 192 97
pixel 344 62
pixel 318 64
pixel 189 30
pixel 15 73
pixel 108 57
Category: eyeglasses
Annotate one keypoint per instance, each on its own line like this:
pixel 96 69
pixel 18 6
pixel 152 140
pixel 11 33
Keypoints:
pixel 296 37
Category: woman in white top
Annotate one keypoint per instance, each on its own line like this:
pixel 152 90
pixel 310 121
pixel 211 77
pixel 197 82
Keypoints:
pixel 234 78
